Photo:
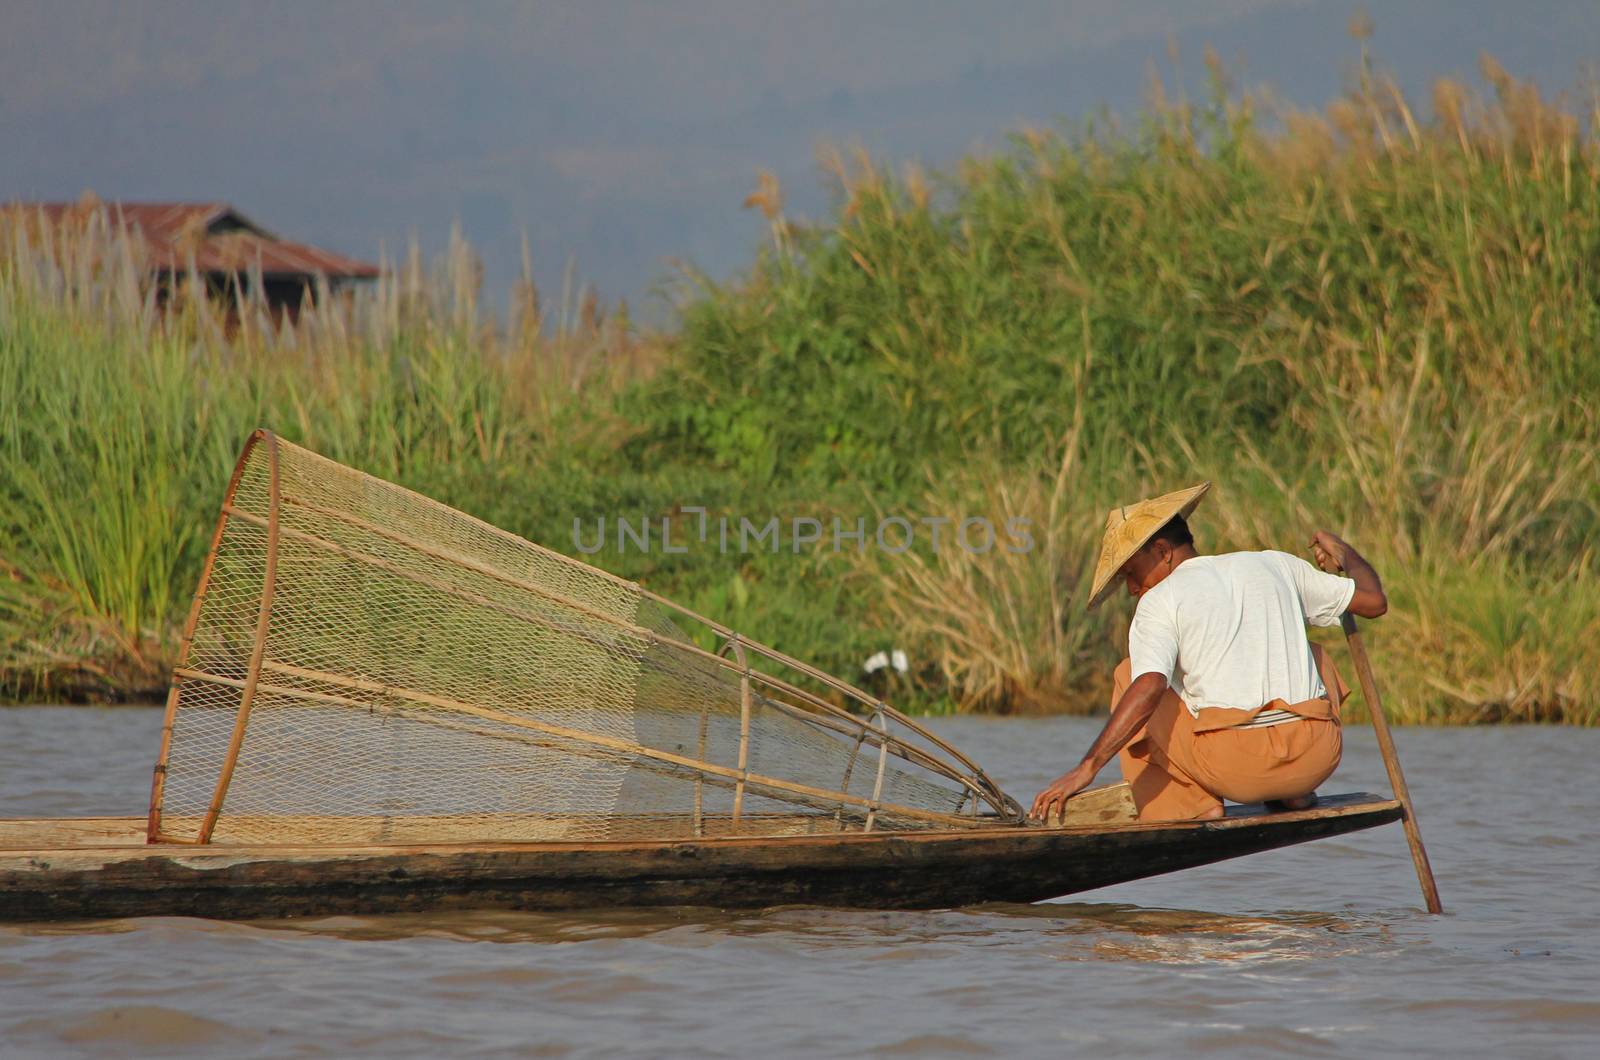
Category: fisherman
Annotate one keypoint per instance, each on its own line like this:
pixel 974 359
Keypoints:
pixel 1221 695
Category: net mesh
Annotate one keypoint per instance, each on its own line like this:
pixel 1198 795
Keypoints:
pixel 369 666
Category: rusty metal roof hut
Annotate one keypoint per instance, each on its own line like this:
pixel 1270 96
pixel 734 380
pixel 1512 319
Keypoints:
pixel 228 250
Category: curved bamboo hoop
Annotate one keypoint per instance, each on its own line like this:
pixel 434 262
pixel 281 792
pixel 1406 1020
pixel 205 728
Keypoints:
pixel 263 621
pixel 1008 808
pixel 158 782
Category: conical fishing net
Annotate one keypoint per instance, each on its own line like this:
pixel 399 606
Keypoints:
pixel 364 665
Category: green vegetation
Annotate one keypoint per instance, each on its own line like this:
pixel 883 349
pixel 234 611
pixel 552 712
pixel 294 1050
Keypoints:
pixel 1360 319
pixel 122 421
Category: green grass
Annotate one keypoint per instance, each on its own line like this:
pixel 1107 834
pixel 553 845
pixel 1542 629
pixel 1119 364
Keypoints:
pixel 1360 319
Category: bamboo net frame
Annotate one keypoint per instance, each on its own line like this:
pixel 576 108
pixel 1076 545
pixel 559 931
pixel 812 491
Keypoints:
pixel 361 663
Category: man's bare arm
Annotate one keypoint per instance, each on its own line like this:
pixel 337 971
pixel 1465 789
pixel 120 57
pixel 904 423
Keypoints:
pixel 1334 554
pixel 1138 702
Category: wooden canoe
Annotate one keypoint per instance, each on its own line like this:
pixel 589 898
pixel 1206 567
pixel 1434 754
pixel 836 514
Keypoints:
pixel 102 867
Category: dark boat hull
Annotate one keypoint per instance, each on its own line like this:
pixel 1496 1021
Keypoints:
pixel 907 870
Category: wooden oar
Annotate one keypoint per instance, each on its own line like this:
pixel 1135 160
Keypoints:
pixel 1391 760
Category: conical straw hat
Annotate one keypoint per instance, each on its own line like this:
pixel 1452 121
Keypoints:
pixel 1128 528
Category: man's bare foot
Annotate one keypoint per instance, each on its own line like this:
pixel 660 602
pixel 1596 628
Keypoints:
pixel 1210 815
pixel 1300 802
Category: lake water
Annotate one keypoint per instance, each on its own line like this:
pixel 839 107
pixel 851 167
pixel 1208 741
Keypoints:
pixel 1320 950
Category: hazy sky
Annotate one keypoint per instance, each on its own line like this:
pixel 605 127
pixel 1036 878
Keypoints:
pixel 623 134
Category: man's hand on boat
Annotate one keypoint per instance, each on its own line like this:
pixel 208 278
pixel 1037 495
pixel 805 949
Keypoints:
pixel 1053 799
pixel 1133 709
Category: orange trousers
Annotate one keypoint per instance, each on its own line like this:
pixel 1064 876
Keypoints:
pixel 1180 767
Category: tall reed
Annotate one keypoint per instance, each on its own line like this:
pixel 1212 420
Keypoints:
pixel 1362 319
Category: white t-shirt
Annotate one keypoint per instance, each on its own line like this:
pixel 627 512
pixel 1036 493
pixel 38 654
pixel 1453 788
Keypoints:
pixel 1230 630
